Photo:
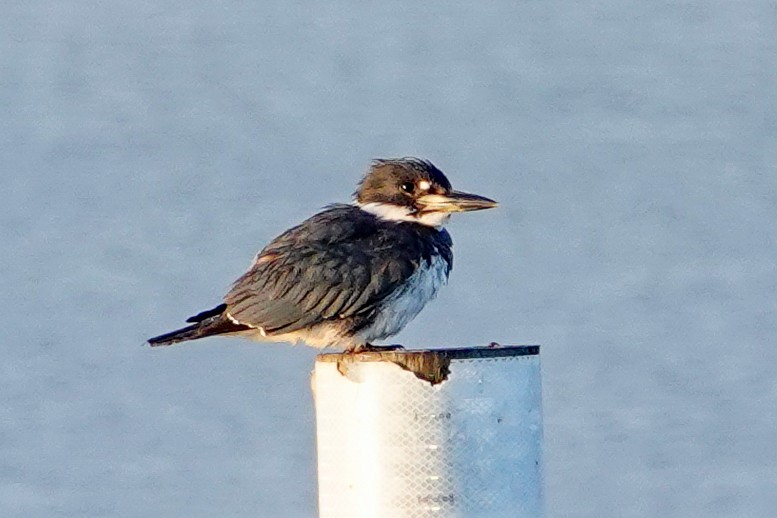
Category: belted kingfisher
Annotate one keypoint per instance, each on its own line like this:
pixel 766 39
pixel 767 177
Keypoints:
pixel 351 274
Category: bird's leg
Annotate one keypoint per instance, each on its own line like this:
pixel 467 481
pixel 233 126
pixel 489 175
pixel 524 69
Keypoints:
pixel 378 348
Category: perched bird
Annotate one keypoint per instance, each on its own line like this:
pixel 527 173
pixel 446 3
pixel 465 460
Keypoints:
pixel 351 274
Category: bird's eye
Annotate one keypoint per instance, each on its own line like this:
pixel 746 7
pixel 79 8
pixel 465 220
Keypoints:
pixel 407 187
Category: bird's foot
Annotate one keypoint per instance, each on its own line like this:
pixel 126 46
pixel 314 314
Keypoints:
pixel 494 345
pixel 378 348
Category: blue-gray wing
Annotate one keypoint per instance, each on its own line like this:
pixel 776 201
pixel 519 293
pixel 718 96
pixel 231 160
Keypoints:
pixel 338 264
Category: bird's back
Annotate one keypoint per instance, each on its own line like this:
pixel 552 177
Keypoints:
pixel 344 265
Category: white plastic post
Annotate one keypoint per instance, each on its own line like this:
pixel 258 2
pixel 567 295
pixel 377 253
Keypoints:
pixel 454 433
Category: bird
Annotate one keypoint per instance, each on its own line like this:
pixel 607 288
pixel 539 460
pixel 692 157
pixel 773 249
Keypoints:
pixel 352 274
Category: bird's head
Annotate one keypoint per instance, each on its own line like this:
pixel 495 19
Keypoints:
pixel 411 189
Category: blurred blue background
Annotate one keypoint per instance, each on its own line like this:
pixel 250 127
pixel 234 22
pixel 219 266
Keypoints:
pixel 149 149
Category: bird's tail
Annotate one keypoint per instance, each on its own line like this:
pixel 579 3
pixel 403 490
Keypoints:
pixel 179 335
pixel 208 323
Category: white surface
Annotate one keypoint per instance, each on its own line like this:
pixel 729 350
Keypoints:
pixel 393 446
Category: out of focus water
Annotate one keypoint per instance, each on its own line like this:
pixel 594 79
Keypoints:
pixel 149 149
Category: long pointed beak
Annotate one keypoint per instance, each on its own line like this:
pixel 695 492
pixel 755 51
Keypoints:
pixel 455 201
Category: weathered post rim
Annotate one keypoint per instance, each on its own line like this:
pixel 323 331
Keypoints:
pixel 451 353
pixel 432 365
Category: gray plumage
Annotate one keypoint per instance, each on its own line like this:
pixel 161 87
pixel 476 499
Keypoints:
pixel 339 264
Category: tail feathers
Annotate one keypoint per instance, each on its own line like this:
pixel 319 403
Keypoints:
pixel 208 323
pixel 173 337
pixel 204 315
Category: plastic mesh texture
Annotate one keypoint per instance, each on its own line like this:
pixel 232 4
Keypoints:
pixel 391 445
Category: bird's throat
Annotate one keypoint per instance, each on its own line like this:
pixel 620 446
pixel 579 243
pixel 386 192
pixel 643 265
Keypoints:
pixel 396 213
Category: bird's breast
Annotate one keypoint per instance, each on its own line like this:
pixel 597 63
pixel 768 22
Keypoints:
pixel 408 299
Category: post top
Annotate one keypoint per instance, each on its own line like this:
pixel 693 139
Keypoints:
pixel 450 353
pixel 431 365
